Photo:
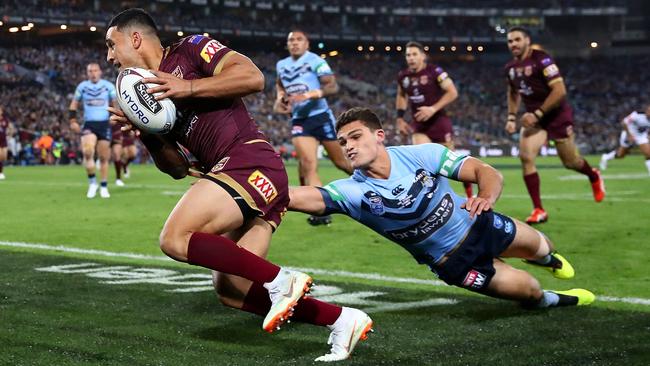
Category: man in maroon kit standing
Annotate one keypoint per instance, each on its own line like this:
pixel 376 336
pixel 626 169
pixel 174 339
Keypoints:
pixel 429 89
pixel 533 77
pixel 225 220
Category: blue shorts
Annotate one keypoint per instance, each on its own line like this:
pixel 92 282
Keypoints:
pixel 471 264
pixel 319 126
pixel 101 129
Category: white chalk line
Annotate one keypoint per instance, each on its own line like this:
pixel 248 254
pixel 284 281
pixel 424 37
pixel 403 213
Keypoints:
pixel 317 271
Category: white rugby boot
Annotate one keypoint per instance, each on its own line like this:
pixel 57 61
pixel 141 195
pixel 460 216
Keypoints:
pixel 103 192
pixel 92 190
pixel 351 326
pixel 285 291
pixel 119 183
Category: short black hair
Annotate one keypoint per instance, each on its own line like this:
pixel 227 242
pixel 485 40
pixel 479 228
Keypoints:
pixel 298 30
pixel 364 115
pixel 417 45
pixel 520 29
pixel 134 16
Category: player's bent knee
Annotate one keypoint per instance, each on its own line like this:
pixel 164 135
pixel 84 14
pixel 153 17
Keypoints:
pixel 174 243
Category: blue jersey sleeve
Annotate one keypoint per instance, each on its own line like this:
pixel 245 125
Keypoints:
pixel 112 94
pixel 440 159
pixel 339 198
pixel 320 66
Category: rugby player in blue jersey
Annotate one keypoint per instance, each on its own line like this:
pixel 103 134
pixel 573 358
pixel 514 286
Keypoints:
pixel 403 194
pixel 304 80
pixel 96 95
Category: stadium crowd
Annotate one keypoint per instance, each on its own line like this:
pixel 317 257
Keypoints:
pixel 602 91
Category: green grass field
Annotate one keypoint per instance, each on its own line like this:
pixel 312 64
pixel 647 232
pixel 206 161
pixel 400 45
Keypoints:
pixel 84 283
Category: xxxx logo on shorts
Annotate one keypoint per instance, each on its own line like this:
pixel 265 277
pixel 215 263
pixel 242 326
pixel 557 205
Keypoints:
pixel 263 186
pixel 210 49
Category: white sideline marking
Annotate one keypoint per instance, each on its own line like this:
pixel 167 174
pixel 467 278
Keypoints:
pixel 366 276
pixel 621 176
pixel 586 196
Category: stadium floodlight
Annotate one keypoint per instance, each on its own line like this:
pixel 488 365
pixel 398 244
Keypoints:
pixel 399 48
pixel 93 28
pixel 179 33
pixel 321 45
pixel 1 23
pixel 31 25
pixel 453 48
pixel 594 44
pixel 387 48
pixel 480 48
pixel 25 28
pixel 469 48
pixel 334 53
pixel 64 27
pixel 426 48
pixel 442 48
pixel 206 34
pixel 359 48
pixel 371 48
pixel 13 29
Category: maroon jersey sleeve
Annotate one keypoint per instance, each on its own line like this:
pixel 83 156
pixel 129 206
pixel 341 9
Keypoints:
pixel 208 55
pixel 549 68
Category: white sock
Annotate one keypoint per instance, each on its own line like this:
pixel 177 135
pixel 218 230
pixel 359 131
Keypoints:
pixel 647 165
pixel 548 299
pixel 610 155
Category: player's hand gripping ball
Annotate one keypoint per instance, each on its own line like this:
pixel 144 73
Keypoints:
pixel 141 108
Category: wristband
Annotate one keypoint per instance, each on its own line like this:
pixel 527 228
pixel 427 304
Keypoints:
pixel 72 113
pixel 512 117
pixel 400 113
pixel 539 113
pixel 318 92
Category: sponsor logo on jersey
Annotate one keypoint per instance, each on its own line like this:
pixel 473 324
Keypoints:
pixel 220 165
pixel 418 232
pixel 442 77
pixel 414 81
pixel 397 190
pixel 547 61
pixel 296 130
pixel 210 49
pixel 551 70
pixel 335 195
pixel 474 279
pixel 509 227
pixel 146 99
pixel 376 204
pixel 424 79
pixel 178 72
pixel 519 71
pixel 263 186
pixel 295 89
pixel 448 163
pixel 511 73
pixel 528 70
pixel 498 222
pixel 419 98
pixel 196 39
pixel 323 68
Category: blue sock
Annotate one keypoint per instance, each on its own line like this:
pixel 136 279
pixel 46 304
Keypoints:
pixel 104 184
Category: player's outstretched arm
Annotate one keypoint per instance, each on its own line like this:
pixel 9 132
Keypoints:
pixel 306 199
pixel 513 99
pixel 490 184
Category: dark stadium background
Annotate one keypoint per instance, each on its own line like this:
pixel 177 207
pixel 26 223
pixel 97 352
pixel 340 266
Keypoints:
pixel 602 48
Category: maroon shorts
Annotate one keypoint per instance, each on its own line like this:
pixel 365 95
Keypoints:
pixel 255 172
pixel 438 129
pixel 127 139
pixel 558 124
pixel 116 134
pixel 3 140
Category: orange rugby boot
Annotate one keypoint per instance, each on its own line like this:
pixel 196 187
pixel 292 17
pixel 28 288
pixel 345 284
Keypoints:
pixel 598 187
pixel 538 216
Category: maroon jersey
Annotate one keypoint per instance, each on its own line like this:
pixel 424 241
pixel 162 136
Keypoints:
pixel 423 87
pixel 208 128
pixel 532 77
pixel 4 126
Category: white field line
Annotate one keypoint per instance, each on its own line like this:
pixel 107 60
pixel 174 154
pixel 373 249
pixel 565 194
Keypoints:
pixel 365 276
pixel 606 177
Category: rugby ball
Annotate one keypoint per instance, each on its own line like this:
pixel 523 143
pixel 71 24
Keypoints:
pixel 141 108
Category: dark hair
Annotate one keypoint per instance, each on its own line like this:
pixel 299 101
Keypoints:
pixel 364 115
pixel 415 44
pixel 134 16
pixel 294 30
pixel 520 29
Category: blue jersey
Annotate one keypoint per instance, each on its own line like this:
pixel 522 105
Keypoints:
pixel 301 75
pixel 96 97
pixel 414 207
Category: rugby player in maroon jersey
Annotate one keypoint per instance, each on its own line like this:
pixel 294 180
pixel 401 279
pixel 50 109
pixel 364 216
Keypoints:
pixel 117 141
pixel 429 89
pixel 534 78
pixel 225 220
pixel 129 151
pixel 5 130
